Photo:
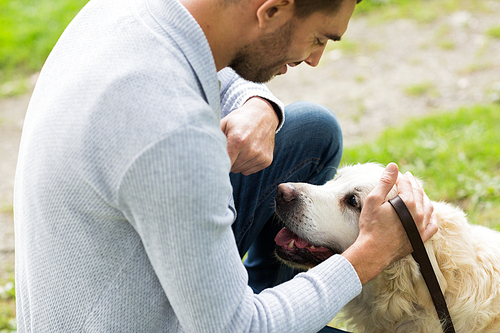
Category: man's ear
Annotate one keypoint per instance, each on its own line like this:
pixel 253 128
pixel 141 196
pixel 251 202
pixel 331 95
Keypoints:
pixel 274 12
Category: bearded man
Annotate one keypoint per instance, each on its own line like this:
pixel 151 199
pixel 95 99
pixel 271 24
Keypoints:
pixel 148 164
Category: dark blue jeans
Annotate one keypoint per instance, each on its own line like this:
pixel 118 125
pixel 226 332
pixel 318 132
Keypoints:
pixel 308 149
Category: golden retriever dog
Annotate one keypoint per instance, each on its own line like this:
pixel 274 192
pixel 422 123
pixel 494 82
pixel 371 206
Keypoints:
pixel 323 220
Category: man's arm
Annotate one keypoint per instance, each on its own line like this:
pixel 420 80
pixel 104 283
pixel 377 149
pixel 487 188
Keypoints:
pixel 382 238
pixel 251 116
pixel 236 91
pixel 175 195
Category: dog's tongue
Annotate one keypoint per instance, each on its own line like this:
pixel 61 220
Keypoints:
pixel 285 236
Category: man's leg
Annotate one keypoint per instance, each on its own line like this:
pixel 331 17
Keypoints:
pixel 308 149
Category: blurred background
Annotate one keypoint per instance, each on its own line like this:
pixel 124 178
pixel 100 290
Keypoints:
pixel 416 82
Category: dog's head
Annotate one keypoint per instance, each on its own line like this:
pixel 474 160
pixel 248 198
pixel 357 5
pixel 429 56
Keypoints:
pixel 323 220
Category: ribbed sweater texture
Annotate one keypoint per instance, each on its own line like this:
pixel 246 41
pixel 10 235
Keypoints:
pixel 122 187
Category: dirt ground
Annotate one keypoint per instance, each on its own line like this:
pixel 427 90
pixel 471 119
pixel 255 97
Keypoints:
pixel 381 75
pixel 387 73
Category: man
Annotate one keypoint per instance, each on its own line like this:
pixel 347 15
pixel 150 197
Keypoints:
pixel 124 207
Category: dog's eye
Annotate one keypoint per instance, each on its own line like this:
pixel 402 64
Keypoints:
pixel 352 201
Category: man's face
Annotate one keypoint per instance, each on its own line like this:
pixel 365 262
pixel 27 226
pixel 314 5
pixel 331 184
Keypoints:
pixel 260 62
pixel 296 41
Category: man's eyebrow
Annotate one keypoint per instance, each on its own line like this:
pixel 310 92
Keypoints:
pixel 335 38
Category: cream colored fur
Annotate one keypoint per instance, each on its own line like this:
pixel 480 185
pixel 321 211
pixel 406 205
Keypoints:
pixel 465 257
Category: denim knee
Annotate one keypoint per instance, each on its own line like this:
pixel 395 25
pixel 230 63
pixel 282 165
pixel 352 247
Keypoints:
pixel 316 127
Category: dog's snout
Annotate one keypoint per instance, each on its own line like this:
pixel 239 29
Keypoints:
pixel 286 194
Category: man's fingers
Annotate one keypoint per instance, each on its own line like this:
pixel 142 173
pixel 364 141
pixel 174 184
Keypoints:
pixel 430 229
pixel 386 183
pixel 233 154
pixel 419 204
pixel 405 189
pixel 422 201
pixel 248 166
pixel 250 149
pixel 418 192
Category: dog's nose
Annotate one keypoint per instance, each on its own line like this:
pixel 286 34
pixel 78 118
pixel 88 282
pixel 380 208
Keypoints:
pixel 286 194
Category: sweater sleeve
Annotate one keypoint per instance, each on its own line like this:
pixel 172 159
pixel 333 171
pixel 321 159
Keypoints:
pixel 235 91
pixel 175 196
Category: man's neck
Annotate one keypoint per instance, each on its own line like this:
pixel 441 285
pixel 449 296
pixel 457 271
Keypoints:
pixel 222 25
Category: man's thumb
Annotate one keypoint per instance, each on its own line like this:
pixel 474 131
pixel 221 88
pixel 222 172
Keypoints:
pixel 387 180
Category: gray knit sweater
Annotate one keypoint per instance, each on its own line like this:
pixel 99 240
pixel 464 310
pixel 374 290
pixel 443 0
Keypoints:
pixel 122 188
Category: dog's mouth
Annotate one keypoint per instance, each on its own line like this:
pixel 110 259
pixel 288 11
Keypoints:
pixel 295 250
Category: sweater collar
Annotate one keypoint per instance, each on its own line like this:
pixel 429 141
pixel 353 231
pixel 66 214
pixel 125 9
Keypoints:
pixel 182 27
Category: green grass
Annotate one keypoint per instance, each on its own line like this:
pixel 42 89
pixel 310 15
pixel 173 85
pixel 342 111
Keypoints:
pixel 6 207
pixel 494 93
pixel 423 11
pixel 421 89
pixel 393 9
pixel 29 31
pixel 7 304
pixel 476 67
pixel 31 28
pixel 347 46
pixel 456 154
pixel 494 31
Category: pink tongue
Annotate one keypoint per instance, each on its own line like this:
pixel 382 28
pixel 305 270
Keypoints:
pixel 285 236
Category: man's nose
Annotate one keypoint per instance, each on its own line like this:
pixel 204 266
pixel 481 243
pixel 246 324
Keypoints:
pixel 315 56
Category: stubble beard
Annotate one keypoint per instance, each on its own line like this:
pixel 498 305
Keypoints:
pixel 250 61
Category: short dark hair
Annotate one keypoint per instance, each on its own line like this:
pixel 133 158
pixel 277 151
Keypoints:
pixel 304 8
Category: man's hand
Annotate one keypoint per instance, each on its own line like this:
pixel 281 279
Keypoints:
pixel 250 132
pixel 382 238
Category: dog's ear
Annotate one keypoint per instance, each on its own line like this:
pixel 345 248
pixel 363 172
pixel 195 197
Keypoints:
pixel 393 193
pixel 421 291
pixel 439 274
pixel 420 182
